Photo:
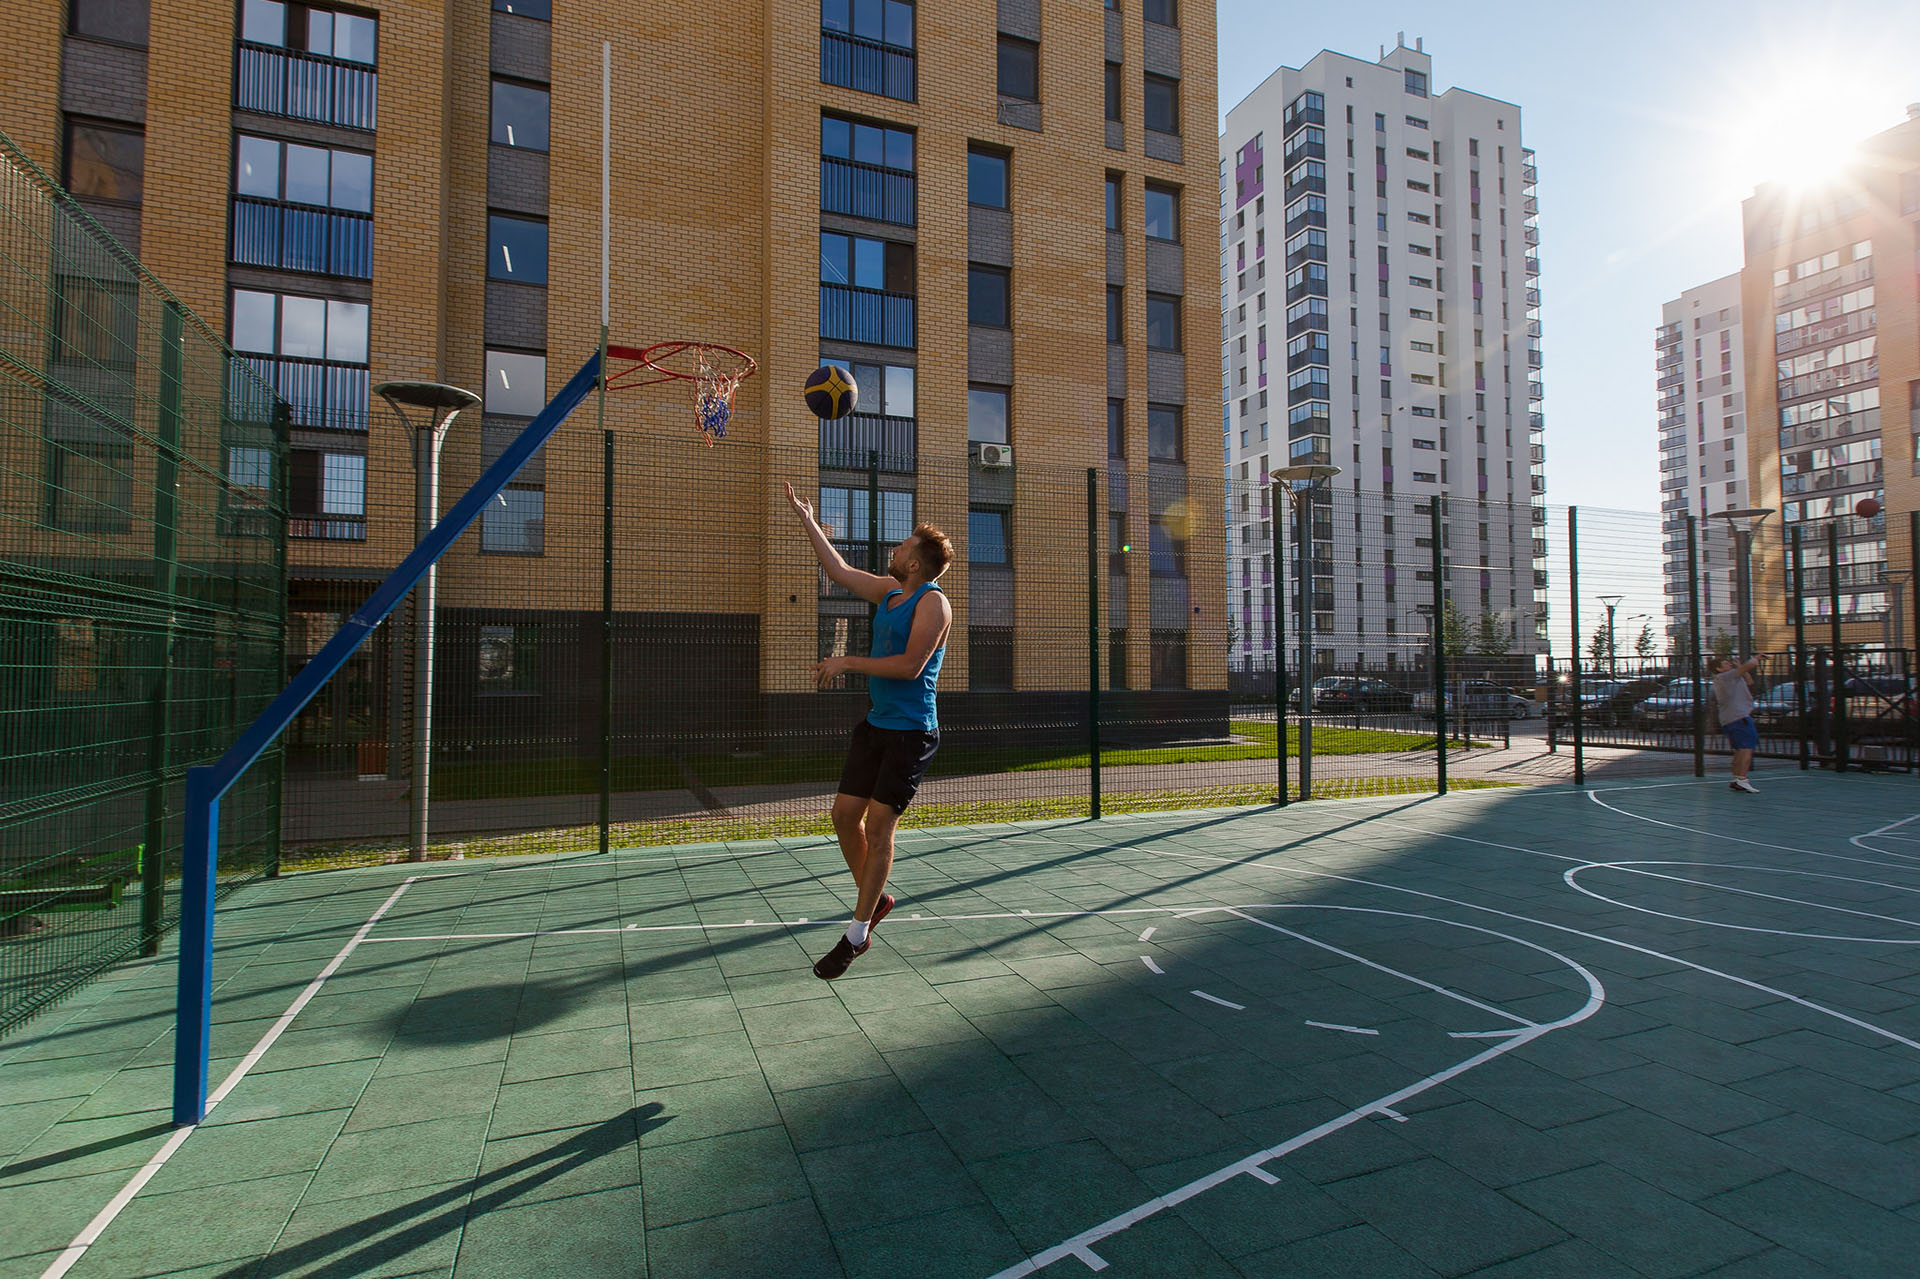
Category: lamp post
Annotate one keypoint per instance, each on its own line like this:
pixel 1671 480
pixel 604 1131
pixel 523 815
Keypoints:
pixel 1896 580
pixel 1299 484
pixel 1744 520
pixel 1637 617
pixel 437 405
pixel 1611 602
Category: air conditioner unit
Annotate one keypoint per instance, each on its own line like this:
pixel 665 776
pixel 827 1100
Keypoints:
pixel 996 456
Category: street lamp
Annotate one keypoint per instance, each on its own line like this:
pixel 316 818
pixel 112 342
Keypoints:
pixel 1299 484
pixel 437 405
pixel 1637 617
pixel 1611 602
pixel 1744 520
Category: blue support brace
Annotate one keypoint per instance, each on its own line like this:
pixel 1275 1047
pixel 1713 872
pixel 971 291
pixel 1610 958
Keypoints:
pixel 205 785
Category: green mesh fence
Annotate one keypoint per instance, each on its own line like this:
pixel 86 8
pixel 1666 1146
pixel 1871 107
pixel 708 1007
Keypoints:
pixel 142 597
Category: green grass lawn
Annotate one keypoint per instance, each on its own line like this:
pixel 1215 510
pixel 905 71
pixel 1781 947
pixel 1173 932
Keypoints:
pixel 507 779
pixel 975 813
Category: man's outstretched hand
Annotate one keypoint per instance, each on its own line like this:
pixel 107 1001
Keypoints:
pixel 801 507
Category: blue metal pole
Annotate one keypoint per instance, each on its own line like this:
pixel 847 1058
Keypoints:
pixel 205 785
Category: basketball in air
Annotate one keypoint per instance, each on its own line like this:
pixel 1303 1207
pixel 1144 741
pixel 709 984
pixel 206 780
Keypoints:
pixel 830 392
pixel 1866 508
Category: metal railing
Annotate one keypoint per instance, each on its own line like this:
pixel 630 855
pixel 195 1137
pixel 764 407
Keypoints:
pixel 874 316
pixel 867 191
pixel 298 237
pixel 867 65
pixel 306 86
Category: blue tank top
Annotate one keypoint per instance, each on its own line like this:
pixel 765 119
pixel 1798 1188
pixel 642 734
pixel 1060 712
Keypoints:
pixel 902 703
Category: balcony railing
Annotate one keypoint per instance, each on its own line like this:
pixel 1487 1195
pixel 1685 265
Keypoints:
pixel 866 65
pixel 297 237
pixel 328 528
pixel 846 444
pixel 1307 218
pixel 1300 186
pixel 305 86
pixel 851 314
pixel 867 191
pixel 319 393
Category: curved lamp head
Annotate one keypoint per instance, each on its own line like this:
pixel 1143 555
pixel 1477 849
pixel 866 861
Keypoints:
pixel 1314 473
pixel 1745 519
pixel 436 400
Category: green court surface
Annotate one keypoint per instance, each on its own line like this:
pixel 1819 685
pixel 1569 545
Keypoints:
pixel 1655 1029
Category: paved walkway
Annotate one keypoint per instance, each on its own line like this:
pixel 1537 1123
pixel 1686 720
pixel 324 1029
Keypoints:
pixel 1645 1030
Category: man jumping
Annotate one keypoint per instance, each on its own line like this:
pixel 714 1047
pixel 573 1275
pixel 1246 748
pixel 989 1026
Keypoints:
pixel 1735 699
pixel 892 745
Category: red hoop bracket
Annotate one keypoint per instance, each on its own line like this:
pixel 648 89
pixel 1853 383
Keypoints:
pixel 634 366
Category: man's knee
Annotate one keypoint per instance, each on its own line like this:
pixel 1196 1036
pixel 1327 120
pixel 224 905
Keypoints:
pixel 880 819
pixel 848 812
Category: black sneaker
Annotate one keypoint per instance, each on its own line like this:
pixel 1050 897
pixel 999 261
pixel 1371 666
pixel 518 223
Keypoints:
pixel 834 962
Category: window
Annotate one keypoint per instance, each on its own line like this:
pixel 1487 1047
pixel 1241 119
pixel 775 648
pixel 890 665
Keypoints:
pixel 986 415
pixel 516 249
pixel 288 172
pixel 1161 213
pixel 519 116
pixel 882 21
pixel 1019 69
pixel 515 523
pixel 332 485
pixel 1116 314
pixel 1113 202
pixel 1416 83
pixel 1116 429
pixel 987 537
pixel 509 655
pixel 1162 12
pixel 306 29
pixel 870 144
pixel 1166 554
pixel 1113 92
pixel 886 389
pixel 987 178
pixel 90 486
pixel 1163 322
pixel 866 263
pixel 990 657
pixel 304 327
pixel 105 161
pixel 987 292
pixel 1164 442
pixel 516 383
pixel 122 21
pixel 1162 104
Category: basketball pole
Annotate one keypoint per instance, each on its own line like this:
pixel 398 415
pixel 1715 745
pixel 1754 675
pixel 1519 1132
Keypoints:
pixel 606 461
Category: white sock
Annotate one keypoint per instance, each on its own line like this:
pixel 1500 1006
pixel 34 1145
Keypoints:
pixel 857 932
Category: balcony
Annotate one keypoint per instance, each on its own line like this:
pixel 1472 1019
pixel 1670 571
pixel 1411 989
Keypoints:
pixel 847 443
pixel 1533 267
pixel 1531 234
pixel 1532 298
pixel 854 62
pixel 319 393
pixel 1305 151
pixel 1301 186
pixel 1310 218
pixel 1316 355
pixel 1310 323
pixel 1311 253
pixel 1536 421
pixel 1304 116
pixel 328 528
pixel 852 314
pixel 305 86
pixel 1310 287
pixel 1529 175
pixel 1538 483
pixel 1538 453
pixel 1533 359
pixel 1529 206
pixel 1536 391
pixel 867 191
pixel 298 237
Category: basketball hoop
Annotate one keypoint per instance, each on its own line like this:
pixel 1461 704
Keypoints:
pixel 716 372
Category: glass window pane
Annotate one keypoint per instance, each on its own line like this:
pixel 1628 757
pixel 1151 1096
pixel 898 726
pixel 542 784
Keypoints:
pixel 1163 432
pixel 869 146
pixel 515 522
pixel 899 24
pixel 1019 69
pixel 353 38
pixel 353 181
pixel 303 327
pixel 307 181
pixel 896 515
pixel 869 263
pixel 987 297
pixel 987 537
pixel 517 250
pixel 835 14
pixel 519 116
pixel 347 332
pixel 250 468
pixel 257 171
pixel 319 29
pixel 541 9
pixel 986 415
pixel 252 321
pixel 869 20
pixel 516 383
pixel 899 150
pixel 124 21
pixel 1162 214
pixel 834 516
pixel 264 22
pixel 343 484
pixel 1113 204
pixel 899 397
pixel 1163 323
pixel 836 138
pixel 1163 104
pixel 835 264
pixel 987 179
pixel 106 163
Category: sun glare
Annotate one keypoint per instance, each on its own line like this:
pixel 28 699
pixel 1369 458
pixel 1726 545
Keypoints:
pixel 1805 132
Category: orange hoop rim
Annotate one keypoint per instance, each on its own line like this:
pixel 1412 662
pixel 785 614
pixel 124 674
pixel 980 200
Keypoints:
pixel 714 363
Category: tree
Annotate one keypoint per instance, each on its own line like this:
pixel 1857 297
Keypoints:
pixel 1597 645
pixel 1646 646
pixel 1722 643
pixel 1490 638
pixel 1453 629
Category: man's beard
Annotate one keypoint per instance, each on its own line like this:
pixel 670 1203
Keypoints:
pixel 897 573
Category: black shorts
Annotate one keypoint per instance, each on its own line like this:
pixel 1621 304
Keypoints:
pixel 887 763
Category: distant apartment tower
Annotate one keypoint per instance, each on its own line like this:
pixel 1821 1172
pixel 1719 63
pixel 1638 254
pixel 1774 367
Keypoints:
pixel 1833 346
pixel 1423 382
pixel 1700 376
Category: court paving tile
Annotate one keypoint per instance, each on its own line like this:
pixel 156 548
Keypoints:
pixel 555 1165
pixel 1835 1229
pixel 1337 1254
pixel 162 1231
pixel 887 1179
pixel 402 1231
pixel 723 1174
pixel 594 1233
pixel 1445 1218
pixel 1836 1101
pixel 434 1094
pixel 1052 1192
pixel 562 1101
pixel 566 1052
pixel 401 1159
pixel 1656 1233
pixel 1875 1171
pixel 665 1062
pixel 836 1115
pixel 1004 1121
pixel 1663 1153
pixel 964 1242
pixel 709 1108
pixel 811 1062
pixel 785 1240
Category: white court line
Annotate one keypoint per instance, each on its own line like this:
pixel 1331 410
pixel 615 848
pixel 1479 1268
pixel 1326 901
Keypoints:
pixel 1571 880
pixel 1215 999
pixel 1152 967
pixel 1351 1030
pixel 1714 834
pixel 104 1218
pixel 1890 826
pixel 779 923
pixel 1144 936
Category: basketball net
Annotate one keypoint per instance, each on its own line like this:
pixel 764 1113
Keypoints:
pixel 713 397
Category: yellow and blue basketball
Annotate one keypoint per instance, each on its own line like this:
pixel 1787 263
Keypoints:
pixel 830 392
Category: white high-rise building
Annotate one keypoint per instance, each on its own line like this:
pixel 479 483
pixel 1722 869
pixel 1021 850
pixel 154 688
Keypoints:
pixel 1700 378
pixel 1381 313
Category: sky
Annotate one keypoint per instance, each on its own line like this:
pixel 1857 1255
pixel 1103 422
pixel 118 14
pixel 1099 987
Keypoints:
pixel 1651 123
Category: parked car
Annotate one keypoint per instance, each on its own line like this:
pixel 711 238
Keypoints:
pixel 1478 699
pixel 1604 703
pixel 1776 712
pixel 1880 708
pixel 1348 694
pixel 1672 706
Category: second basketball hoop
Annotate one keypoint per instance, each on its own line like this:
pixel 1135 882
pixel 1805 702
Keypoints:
pixel 716 372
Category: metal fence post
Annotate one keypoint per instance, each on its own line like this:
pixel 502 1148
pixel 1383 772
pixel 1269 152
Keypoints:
pixel 1800 653
pixel 1093 643
pixel 1695 663
pixel 873 528
pixel 606 625
pixel 1839 660
pixel 1439 649
pixel 166 563
pixel 1280 604
pixel 1573 592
